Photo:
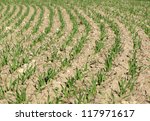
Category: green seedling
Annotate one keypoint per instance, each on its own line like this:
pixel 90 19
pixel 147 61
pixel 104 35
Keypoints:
pixel 4 60
pixel 49 100
pixel 65 63
pixel 123 86
pixel 58 99
pixel 2 93
pixel 100 77
pixel 13 84
pixel 99 46
pixel 27 74
pixel 79 74
pixel 45 78
pixel 21 96
pixel 108 63
pixel 54 55
pixel 133 66
pixel 91 91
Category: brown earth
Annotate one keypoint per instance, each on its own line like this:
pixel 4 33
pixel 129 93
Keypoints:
pixel 108 91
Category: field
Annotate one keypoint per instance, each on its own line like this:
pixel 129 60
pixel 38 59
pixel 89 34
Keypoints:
pixel 74 51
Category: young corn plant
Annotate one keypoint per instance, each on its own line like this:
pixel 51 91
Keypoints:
pixel 79 74
pixel 100 43
pixel 15 64
pixel 16 52
pixel 65 63
pixel 100 77
pixel 80 97
pixel 58 99
pixel 133 66
pixel 49 101
pixel 21 96
pixel 123 86
pixel 108 63
pixel 85 67
pixel 4 55
pixel 78 47
pixel 27 74
pixel 45 78
pixel 91 90
pixel 13 84
pixel 2 93
pixel 54 55
pixel 4 59
pixel 69 88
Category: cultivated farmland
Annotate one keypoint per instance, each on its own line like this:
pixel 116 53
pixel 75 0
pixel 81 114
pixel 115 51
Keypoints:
pixel 74 51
